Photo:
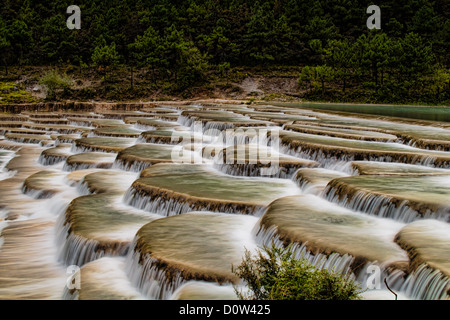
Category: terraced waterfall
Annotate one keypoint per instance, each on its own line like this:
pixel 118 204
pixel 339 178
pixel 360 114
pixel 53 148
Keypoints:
pixel 161 202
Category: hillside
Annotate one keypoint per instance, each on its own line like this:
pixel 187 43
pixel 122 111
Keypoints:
pixel 168 48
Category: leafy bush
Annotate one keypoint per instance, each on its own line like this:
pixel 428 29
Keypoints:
pixel 53 82
pixel 275 274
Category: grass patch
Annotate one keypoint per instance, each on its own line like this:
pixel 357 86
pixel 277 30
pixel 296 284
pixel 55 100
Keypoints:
pixel 12 93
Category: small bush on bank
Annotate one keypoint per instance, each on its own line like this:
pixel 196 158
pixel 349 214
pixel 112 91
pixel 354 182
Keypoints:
pixel 54 82
pixel 275 274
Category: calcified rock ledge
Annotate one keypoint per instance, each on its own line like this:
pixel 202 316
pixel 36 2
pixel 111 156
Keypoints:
pixel 74 178
pixel 19 130
pixel 122 114
pixel 160 257
pixel 322 152
pixel 92 228
pixel 106 181
pixel 258 160
pixel 27 138
pixel 12 118
pixel 74 115
pixel 396 169
pixel 102 226
pixel 169 137
pixel 141 156
pixel 168 202
pixel 22 244
pixel 55 155
pixel 89 160
pixel 103 144
pixel 55 120
pixel 339 263
pixel 428 144
pixel 82 107
pixel 218 120
pixel 67 138
pixel 133 165
pixel 117 131
pixel 329 125
pixel 42 115
pixel 218 126
pixel 78 250
pixel 96 282
pixel 343 133
pixel 153 282
pixel 326 228
pixel 383 196
pixel 61 129
pixel 421 134
pixel 282 170
pixel 42 185
pixel 151 123
pixel 427 242
pixel 315 179
pixel 167 190
pixel 407 286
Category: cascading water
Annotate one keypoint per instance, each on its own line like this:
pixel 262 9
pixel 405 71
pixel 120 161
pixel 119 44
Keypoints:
pixel 426 283
pixel 151 280
pixel 338 263
pixel 77 250
pixel 172 206
pixel 382 206
pixel 5 157
pixel 46 215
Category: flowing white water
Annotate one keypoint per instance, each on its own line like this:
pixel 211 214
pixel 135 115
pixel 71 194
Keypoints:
pixel 170 207
pixel 382 206
pixel 426 283
pixel 36 273
pixel 157 280
pixel 338 263
pixel 77 250
pixel 5 157
pixel 38 236
pixel 104 279
pixel 152 281
pixel 330 160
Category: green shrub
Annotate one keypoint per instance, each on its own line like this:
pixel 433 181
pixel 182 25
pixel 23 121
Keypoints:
pixel 54 82
pixel 275 274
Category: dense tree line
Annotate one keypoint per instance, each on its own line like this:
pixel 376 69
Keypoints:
pixel 387 69
pixel 179 40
